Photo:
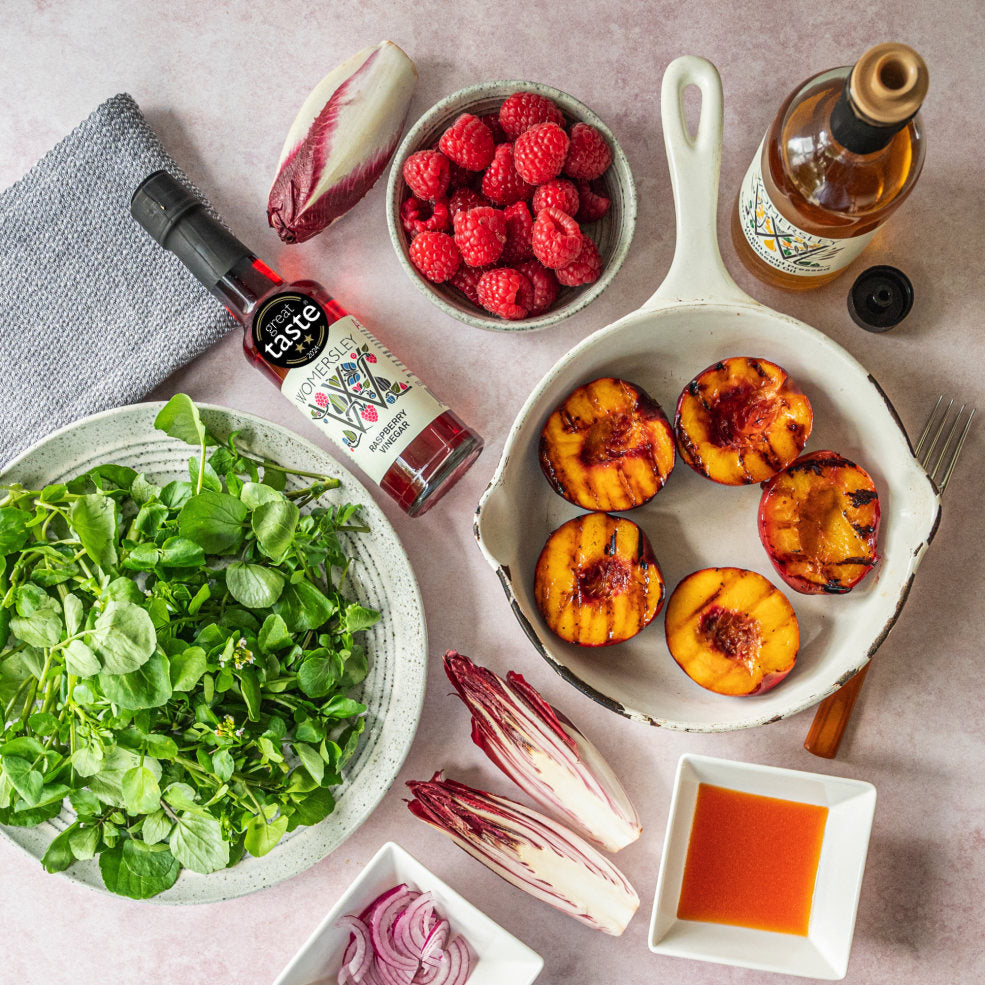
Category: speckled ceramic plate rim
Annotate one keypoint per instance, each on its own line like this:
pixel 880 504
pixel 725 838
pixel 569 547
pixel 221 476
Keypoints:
pixel 574 107
pixel 400 638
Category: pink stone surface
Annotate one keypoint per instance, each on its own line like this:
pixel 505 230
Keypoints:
pixel 220 82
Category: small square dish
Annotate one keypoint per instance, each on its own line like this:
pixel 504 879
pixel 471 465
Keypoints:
pixel 823 951
pixel 499 956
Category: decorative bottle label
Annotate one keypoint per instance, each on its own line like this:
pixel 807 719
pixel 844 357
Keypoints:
pixel 344 380
pixel 784 246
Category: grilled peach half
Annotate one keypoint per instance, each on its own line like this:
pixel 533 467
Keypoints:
pixel 818 520
pixel 597 580
pixel 732 631
pixel 607 446
pixel 741 421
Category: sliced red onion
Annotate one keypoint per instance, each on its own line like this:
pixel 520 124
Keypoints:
pixel 538 748
pixel 530 850
pixel 436 940
pixel 400 940
pixel 360 945
pixel 415 921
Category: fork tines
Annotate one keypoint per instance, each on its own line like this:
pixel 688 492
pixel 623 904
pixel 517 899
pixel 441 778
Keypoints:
pixel 941 441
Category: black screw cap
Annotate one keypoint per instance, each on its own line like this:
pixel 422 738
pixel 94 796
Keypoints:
pixel 880 298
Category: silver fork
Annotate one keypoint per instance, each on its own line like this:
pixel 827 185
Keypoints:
pixel 937 451
pixel 939 468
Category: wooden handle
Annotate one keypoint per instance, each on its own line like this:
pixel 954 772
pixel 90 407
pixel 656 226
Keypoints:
pixel 832 716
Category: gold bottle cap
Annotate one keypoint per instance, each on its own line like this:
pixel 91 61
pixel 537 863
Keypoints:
pixel 888 83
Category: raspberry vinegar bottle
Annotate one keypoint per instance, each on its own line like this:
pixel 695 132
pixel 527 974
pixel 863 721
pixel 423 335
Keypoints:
pixel 320 357
pixel 843 153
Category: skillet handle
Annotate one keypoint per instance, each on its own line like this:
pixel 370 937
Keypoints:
pixel 697 272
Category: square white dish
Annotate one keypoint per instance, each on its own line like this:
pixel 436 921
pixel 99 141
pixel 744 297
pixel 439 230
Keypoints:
pixel 824 952
pixel 499 956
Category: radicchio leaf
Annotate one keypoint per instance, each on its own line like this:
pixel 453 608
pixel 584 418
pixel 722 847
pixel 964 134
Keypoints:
pixel 540 749
pixel 341 141
pixel 529 850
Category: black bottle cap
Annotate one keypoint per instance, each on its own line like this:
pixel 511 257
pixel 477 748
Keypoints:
pixel 180 221
pixel 880 298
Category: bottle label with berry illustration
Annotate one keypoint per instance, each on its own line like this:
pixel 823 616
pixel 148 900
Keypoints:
pixel 362 396
pixel 780 243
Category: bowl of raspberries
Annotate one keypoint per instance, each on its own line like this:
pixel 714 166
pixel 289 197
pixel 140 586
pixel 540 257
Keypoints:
pixel 511 205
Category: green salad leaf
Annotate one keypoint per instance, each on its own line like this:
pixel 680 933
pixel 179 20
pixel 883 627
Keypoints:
pixel 175 659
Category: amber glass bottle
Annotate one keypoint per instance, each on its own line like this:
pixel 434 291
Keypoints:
pixel 841 156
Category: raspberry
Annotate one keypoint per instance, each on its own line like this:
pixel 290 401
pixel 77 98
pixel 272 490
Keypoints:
pixel 480 234
pixel 491 120
pixel 591 205
pixel 465 198
pixel 505 292
pixel 556 238
pixel 427 174
pixel 543 282
pixel 468 142
pixel 539 153
pixel 369 414
pixel 415 218
pixel 522 110
pixel 588 153
pixel 466 279
pixel 435 255
pixel 460 177
pixel 584 269
pixel 558 194
pixel 501 184
pixel 519 227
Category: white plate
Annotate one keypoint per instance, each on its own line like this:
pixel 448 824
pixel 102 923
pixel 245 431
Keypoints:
pixel 499 957
pixel 380 577
pixel 824 952
pixel 697 317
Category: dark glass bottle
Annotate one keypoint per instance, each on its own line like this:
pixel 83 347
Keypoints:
pixel 842 154
pixel 300 339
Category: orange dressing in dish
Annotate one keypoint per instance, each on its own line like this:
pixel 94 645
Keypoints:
pixel 751 861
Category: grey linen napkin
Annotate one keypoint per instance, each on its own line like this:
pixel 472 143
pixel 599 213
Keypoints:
pixel 93 313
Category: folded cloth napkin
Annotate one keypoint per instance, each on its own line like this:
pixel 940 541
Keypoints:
pixel 93 313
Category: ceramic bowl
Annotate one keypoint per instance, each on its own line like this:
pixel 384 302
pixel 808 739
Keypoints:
pixel 381 577
pixel 499 956
pixel 823 952
pixel 613 233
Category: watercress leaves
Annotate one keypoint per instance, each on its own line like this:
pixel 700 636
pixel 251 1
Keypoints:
pixel 197 842
pixel 253 585
pixel 179 418
pixel 123 637
pixel 274 523
pixel 149 686
pixel 93 518
pixel 138 870
pixel 214 521
pixel 174 659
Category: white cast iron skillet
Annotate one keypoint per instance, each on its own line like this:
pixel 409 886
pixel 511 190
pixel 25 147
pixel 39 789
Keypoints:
pixel 696 317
